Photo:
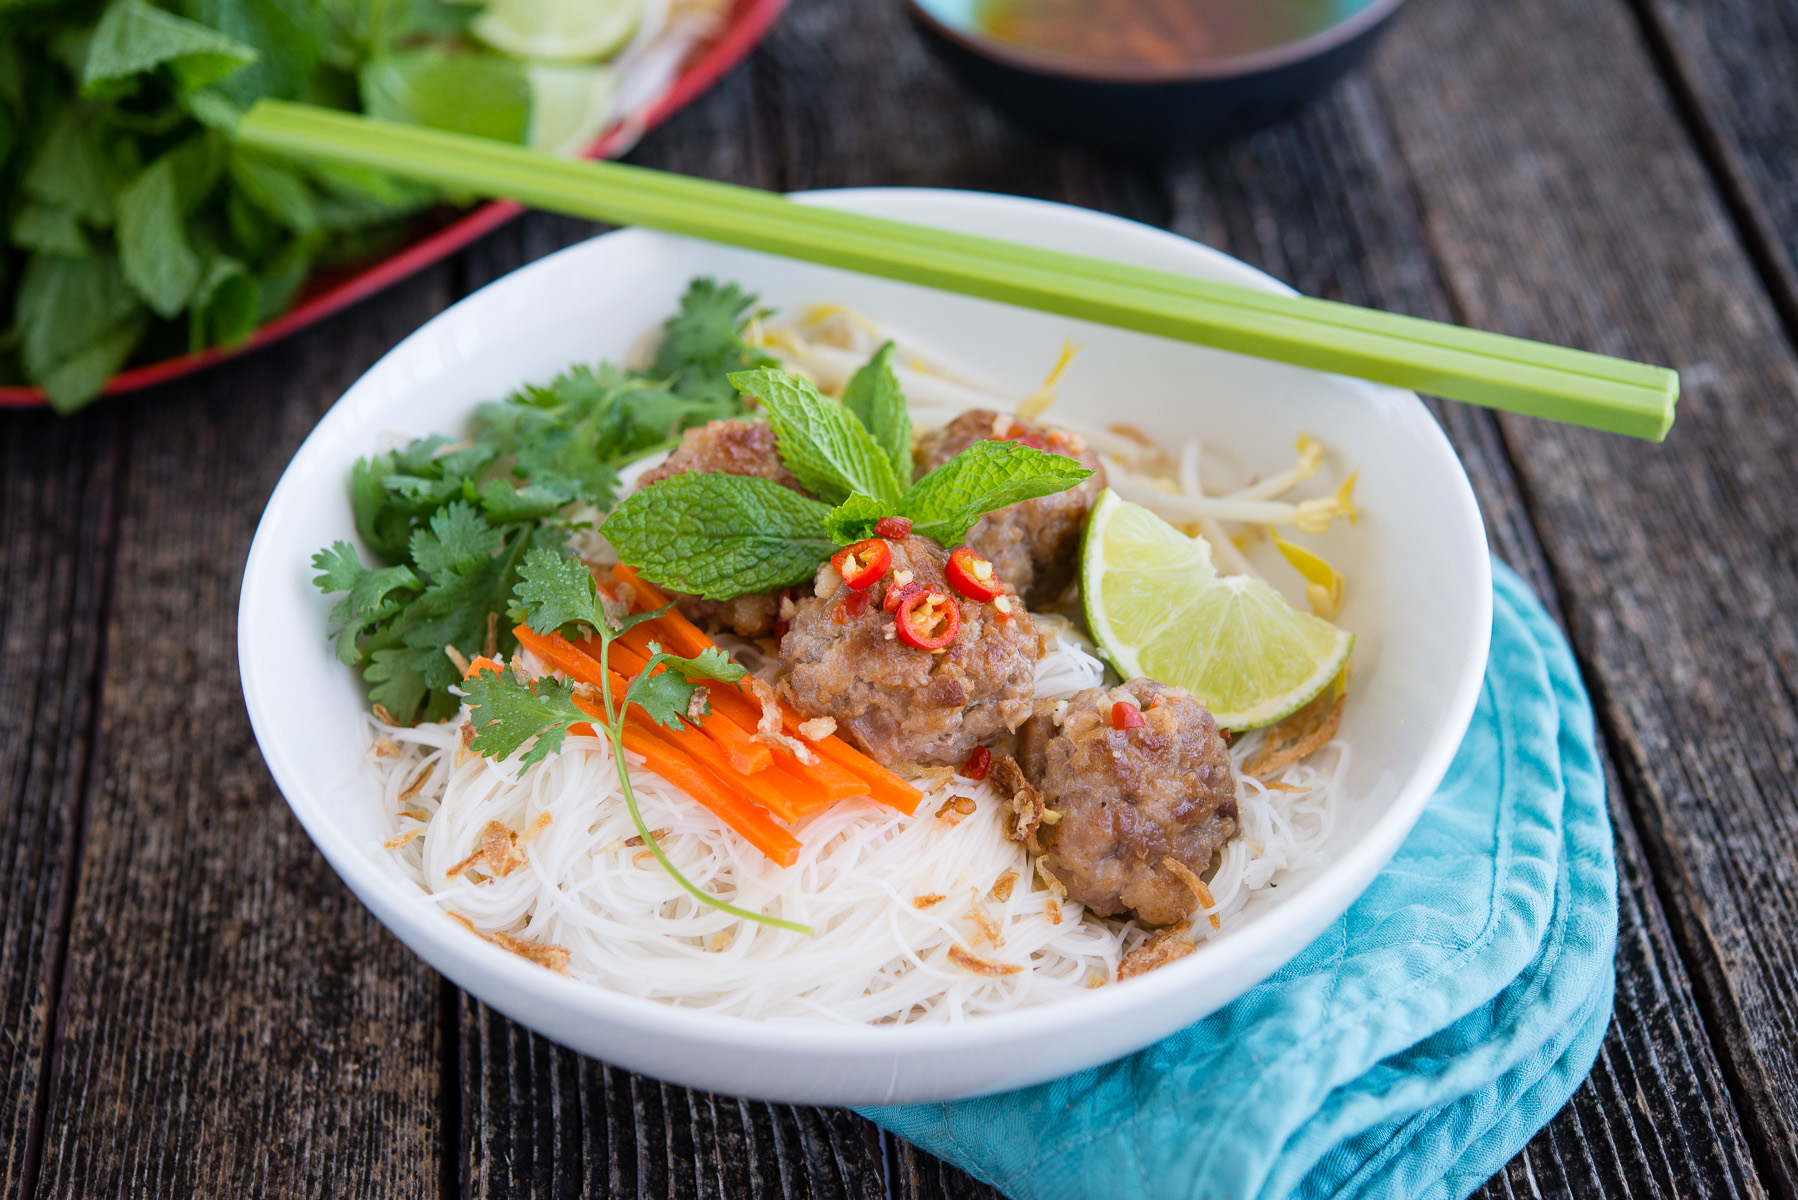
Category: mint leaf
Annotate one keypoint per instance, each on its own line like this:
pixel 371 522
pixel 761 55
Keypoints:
pixel 820 442
pixel 854 519
pixel 77 379
pixel 720 536
pixel 506 714
pixel 873 396
pixel 154 251
pixel 225 305
pixel 663 698
pixel 68 171
pixel 274 188
pixel 76 322
pixel 556 592
pixel 465 92
pixel 457 539
pixel 133 37
pixel 49 230
pixel 987 475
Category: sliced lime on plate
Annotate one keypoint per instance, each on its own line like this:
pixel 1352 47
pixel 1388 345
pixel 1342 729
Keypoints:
pixel 571 104
pixel 558 30
pixel 1157 607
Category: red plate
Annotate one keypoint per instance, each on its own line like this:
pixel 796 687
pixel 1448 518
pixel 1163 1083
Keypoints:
pixel 329 291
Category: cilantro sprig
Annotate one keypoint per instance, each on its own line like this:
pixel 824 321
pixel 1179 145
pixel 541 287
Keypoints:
pixel 556 594
pixel 721 536
pixel 450 524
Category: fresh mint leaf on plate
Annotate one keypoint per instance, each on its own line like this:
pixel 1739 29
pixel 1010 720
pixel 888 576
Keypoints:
pixel 854 519
pixel 988 475
pixel 873 397
pixel 822 443
pixel 720 535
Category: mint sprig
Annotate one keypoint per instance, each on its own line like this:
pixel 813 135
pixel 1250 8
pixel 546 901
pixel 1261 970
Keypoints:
pixel 831 452
pixel 720 536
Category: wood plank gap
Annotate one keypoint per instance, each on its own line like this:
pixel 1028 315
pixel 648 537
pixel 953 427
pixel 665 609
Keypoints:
pixel 454 1179
pixel 57 936
pixel 1754 225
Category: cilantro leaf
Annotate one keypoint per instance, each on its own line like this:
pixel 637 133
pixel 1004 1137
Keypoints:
pixel 703 343
pixel 720 536
pixel 370 594
pixel 506 503
pixel 829 451
pixel 873 396
pixel 988 475
pixel 556 592
pixel 710 663
pixel 854 519
pixel 664 698
pixel 457 538
pixel 133 37
pixel 506 714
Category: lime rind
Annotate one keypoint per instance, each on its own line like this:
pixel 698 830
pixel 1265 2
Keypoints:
pixel 558 30
pixel 1157 608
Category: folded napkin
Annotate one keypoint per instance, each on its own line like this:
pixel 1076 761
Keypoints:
pixel 1414 1047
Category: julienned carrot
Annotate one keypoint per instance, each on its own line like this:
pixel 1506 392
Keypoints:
pixel 680 633
pixel 838 757
pixel 477 665
pixel 754 822
pixel 747 756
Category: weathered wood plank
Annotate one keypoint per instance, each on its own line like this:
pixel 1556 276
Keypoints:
pixel 58 514
pixel 1564 201
pixel 1734 64
pixel 234 1022
pixel 1327 202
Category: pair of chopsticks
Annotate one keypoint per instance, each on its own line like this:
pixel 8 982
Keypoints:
pixel 1487 369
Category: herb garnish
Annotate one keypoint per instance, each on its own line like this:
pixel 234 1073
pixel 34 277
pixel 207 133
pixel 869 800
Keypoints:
pixel 720 536
pixel 558 595
pixel 450 525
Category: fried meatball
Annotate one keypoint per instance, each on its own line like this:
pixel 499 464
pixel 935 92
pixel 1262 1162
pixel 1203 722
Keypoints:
pixel 729 447
pixel 1131 798
pixel 897 702
pixel 1032 544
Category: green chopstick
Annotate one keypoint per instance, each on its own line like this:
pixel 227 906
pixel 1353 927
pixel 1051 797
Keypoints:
pixel 1492 370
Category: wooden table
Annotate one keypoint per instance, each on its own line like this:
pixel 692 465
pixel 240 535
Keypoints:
pixel 191 1004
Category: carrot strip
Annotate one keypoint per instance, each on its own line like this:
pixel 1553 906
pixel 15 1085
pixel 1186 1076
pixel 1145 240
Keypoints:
pixel 755 823
pixel 747 756
pixel 883 785
pixel 482 663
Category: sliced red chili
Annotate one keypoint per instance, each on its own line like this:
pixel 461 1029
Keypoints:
pixel 979 761
pixel 862 564
pixel 928 619
pixel 897 594
pixel 857 603
pixel 1125 715
pixel 972 575
pixel 897 528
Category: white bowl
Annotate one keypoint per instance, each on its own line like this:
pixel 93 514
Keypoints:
pixel 1419 600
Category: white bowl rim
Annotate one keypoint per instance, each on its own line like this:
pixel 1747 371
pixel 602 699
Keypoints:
pixel 451 949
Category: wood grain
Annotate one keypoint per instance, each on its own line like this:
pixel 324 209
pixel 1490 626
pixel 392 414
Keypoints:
pixel 1571 206
pixel 233 1021
pixel 58 514
pixel 1329 203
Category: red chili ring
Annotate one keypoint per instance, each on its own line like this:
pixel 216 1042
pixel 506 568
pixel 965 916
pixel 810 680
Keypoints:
pixel 928 605
pixel 964 575
pixel 862 564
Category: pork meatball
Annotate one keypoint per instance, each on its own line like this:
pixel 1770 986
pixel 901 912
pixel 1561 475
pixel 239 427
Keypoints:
pixel 1032 544
pixel 899 703
pixel 729 447
pixel 1131 799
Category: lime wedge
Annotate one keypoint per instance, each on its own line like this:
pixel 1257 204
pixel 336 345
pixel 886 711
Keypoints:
pixel 1157 607
pixel 558 30
pixel 571 104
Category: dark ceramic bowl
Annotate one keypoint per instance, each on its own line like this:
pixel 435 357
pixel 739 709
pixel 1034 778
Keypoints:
pixel 1147 109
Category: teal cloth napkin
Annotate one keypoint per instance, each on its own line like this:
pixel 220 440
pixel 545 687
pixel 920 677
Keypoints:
pixel 1409 1051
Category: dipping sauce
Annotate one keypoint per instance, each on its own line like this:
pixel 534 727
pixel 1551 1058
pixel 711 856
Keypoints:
pixel 1156 32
